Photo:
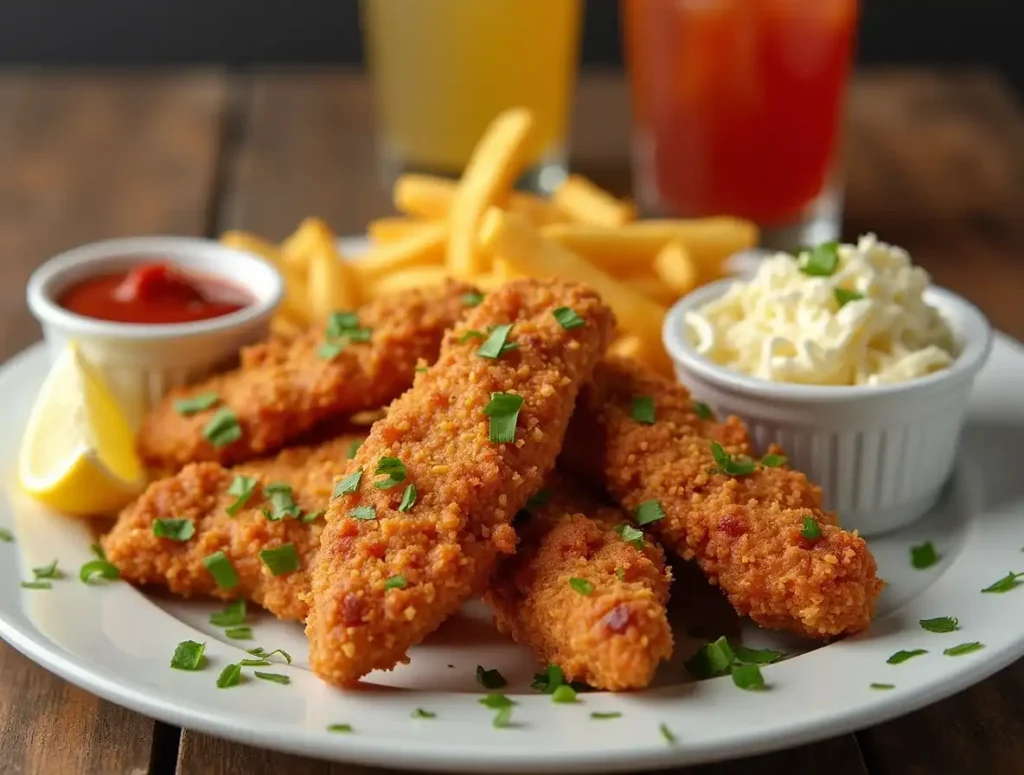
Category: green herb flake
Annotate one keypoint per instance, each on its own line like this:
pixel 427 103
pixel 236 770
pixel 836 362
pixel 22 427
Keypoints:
pixel 408 498
pixel 348 485
pixel 648 512
pixel 50 571
pixel 101 568
pixel 711 660
pixel 503 409
pixel 582 586
pixel 281 560
pixel 631 535
pixel 239 633
pixel 363 512
pixel 420 370
pixel 6 536
pixel 229 676
pixel 232 615
pixel 702 410
pixel 811 529
pixel 774 461
pixel 420 713
pixel 620 574
pixel 902 656
pixel 472 299
pixel 328 351
pixel 729 465
pixel 97 551
pixel 223 428
pixel 188 655
pixel 534 502
pixel 600 716
pixel 549 680
pixel 748 656
pixel 392 469
pixel 395 582
pixel 924 556
pixel 312 516
pixel 174 529
pixel 490 679
pixel 642 410
pixel 503 718
pixel 277 678
pixel 265 655
pixel 223 572
pixel 471 334
pixel 844 297
pixel 282 502
pixel 354 447
pixel 343 328
pixel 567 318
pixel 666 733
pixel 940 624
pixel 497 343
pixel 1005 584
pixel 820 261
pixel 963 648
pixel 748 678
pixel 339 727
pixel 563 694
pixel 195 404
pixel 496 700
pixel 36 585
pixel 242 488
pixel 882 687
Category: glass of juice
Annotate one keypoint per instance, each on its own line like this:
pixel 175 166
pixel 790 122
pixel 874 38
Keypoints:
pixel 737 108
pixel 444 68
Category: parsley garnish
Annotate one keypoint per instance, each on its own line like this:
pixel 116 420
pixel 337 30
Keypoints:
pixel 263 656
pixel 472 299
pixel 408 498
pixel 748 656
pixel 50 571
pixel 282 559
pixel 232 615
pixel 940 624
pixel 563 694
pixel 667 734
pixel 242 487
pixel 490 679
pixel 342 329
pixel 239 633
pixel 963 648
pixel 882 686
pixel 533 503
pixel 471 334
pixel 349 484
pixel 278 678
pixel 702 410
pixel 1005 584
pixel 174 529
pixel 223 428
pixel 748 677
pixel 582 586
pixel 328 351
pixel 620 574
pixel 603 716
pixel 36 585
pixel 631 535
pixel 820 261
pixel 354 447
pixel 902 656
pixel 420 713
pixel 395 582
pixel 643 410
pixel 773 461
pixel 394 471
pixel 229 676
pixel 648 512
pixel 811 529
pixel 312 516
pixel 739 465
pixel 503 409
pixel 711 660
pixel 844 297
pixel 282 502
pixel 567 318
pixel 102 568
pixel 503 718
pixel 363 512
pixel 497 343
pixel 496 700
pixel 6 536
pixel 549 680
pixel 196 403
pixel 188 655
pixel 222 570
pixel 923 556
pixel 339 727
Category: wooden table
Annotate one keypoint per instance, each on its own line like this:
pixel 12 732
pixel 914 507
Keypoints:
pixel 933 162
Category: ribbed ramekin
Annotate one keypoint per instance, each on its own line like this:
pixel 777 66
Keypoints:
pixel 142 362
pixel 880 453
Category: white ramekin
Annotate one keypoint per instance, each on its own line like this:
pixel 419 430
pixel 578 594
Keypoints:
pixel 880 453
pixel 142 362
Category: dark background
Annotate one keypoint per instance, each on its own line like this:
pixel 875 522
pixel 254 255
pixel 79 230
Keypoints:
pixel 297 32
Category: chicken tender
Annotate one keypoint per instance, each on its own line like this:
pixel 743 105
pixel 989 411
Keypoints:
pixel 199 492
pixel 400 554
pixel 285 387
pixel 762 536
pixel 583 596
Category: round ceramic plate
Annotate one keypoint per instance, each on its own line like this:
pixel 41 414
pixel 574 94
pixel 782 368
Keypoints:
pixel 115 641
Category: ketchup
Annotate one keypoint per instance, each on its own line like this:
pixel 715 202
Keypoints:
pixel 154 293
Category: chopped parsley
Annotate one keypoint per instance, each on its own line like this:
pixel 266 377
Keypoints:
pixel 188 655
pixel 820 261
pixel 281 560
pixel 631 535
pixel 222 570
pixel 471 334
pixel 940 624
pixel 229 676
pixel 354 447
pixel 702 410
pixel 748 677
pixel 174 529
pixel 36 585
pixel 239 633
pixel 882 686
pixel 503 718
pixel 497 343
pixel 666 733
pixel 363 512
pixel 620 574
pixel 342 329
pixel 902 656
pixel 563 694
pixel 748 656
pixel 395 582
pixel 223 428
pixel 963 648
pixel 265 655
pixel 97 550
pixel 549 680
pixel 282 502
pixel 277 678
pixel 533 503
pixel 642 410
pixel 312 516
pixel 711 660
pixel 567 318
pixel 421 370
pixel 242 487
pixel 1005 584
pixel 604 716
pixel 392 469
pixel 197 403
pixel 339 727
pixel 648 512
pixel 349 484
pixel 472 299
pixel 496 700
pixel 50 571
pixel 740 465
pixel 6 536
pixel 490 679
pixel 102 568
pixel 503 409
pixel 924 555
pixel 774 461
pixel 811 529
pixel 408 498
pixel 420 713
pixel 328 351
pixel 232 615
pixel 844 297
pixel 582 586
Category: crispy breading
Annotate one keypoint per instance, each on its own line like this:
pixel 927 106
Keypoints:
pixel 285 387
pixel 384 580
pixel 612 637
pixel 744 531
pixel 199 492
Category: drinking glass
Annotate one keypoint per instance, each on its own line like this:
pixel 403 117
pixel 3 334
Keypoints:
pixel 737 108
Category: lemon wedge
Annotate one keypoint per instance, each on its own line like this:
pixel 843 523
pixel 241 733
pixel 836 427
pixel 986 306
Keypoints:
pixel 78 452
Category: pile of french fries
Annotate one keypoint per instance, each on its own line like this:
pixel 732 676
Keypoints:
pixel 480 230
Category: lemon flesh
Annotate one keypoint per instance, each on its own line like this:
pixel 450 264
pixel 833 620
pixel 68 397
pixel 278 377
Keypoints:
pixel 78 452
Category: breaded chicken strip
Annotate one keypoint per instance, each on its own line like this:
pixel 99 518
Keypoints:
pixel 199 492
pixel 395 562
pixel 283 388
pixel 747 531
pixel 581 595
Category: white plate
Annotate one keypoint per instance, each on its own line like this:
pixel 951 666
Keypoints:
pixel 116 642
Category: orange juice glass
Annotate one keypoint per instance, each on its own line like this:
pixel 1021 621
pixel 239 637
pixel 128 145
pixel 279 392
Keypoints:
pixel 444 68
pixel 737 109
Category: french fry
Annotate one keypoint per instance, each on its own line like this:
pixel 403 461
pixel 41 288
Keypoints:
pixel 537 210
pixel 488 282
pixel 310 237
pixel 331 284
pixel 493 166
pixel 430 198
pixel 382 231
pixel 620 251
pixel 406 279
pixel 422 248
pixel 652 287
pixel 676 268
pixel 628 346
pixel 585 202
pixel 523 248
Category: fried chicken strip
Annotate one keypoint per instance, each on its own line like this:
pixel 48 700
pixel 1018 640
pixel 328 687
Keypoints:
pixel 743 531
pixel 284 387
pixel 613 636
pixel 199 492
pixel 385 577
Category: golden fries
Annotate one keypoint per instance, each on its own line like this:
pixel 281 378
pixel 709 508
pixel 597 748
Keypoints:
pixel 430 198
pixel 424 247
pixel 492 168
pixel 586 203
pixel 391 229
pixel 652 287
pixel 676 268
pixel 405 279
pixel 253 243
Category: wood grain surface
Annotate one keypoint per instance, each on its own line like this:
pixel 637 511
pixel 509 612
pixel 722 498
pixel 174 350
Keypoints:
pixel 932 161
